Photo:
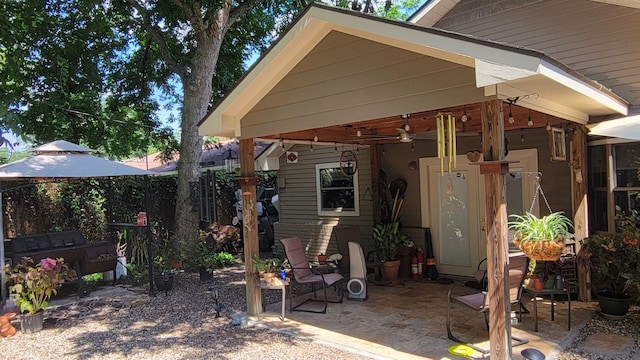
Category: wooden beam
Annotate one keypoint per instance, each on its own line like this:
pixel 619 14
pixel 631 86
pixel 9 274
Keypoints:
pixel 248 182
pixel 496 214
pixel 580 212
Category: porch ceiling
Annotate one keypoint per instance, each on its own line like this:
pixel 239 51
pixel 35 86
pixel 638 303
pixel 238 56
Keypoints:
pixel 336 69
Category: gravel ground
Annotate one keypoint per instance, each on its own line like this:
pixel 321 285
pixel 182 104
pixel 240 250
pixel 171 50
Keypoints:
pixel 629 328
pixel 181 325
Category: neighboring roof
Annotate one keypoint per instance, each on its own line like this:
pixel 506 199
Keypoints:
pixel 62 159
pixel 212 158
pixel 433 10
pixel 497 70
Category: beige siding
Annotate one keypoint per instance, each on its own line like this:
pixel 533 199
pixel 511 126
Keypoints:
pixel 555 175
pixel 598 40
pixel 298 207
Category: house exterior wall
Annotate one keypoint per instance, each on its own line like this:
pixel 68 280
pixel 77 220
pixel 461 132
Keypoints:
pixel 397 157
pixel 598 40
pixel 298 207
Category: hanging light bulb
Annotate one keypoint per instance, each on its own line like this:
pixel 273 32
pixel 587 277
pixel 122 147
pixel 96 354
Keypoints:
pixel 357 149
pixel 464 118
pixel 406 127
pixel 315 137
pixel 548 127
pixel 412 148
pixel 335 147
pixel 529 120
pixel 311 147
pixel 521 135
pixel 282 143
pixel 383 151
pixel 358 133
pixel 511 119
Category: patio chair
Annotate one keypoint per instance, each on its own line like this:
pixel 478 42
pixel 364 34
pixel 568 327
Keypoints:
pixel 303 273
pixel 518 266
pixel 480 277
pixel 346 234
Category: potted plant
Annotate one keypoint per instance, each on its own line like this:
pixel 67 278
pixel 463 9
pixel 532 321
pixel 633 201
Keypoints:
pixel 388 239
pixel 163 274
pixel 615 263
pixel 210 262
pixel 541 239
pixel 32 286
pixel 267 268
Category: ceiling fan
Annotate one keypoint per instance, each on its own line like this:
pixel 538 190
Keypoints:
pixel 405 133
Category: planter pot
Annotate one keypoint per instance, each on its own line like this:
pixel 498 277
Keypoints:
pixel 31 323
pixel 269 278
pixel 390 271
pixel 538 284
pixel 163 282
pixel 205 275
pixel 614 307
pixel 322 259
pixel 541 250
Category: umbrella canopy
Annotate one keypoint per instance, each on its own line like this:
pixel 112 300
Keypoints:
pixel 62 159
pixel 626 128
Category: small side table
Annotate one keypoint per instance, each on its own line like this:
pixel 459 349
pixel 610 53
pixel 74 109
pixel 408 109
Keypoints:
pixel 552 293
pixel 264 286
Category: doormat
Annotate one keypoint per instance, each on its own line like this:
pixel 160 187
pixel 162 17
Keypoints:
pixel 70 314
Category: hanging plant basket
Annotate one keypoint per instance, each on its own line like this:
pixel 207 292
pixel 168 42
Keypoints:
pixel 542 250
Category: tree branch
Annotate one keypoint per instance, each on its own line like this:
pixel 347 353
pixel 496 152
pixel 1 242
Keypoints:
pixel 192 13
pixel 158 36
pixel 236 13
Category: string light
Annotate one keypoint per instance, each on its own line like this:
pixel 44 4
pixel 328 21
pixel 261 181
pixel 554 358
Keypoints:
pixel 335 147
pixel 548 127
pixel 529 120
pixel 511 119
pixel 311 146
pixel 464 118
pixel 315 137
pixel 383 151
pixel 358 133
pixel 522 135
pixel 412 148
pixel 282 143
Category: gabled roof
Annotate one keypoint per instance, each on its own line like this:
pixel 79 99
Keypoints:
pixel 308 79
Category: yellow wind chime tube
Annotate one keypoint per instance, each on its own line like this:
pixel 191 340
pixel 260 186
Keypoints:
pixel 441 145
pixel 455 143
pixel 449 142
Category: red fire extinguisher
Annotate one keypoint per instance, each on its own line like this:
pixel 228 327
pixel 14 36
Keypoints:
pixel 420 256
pixel 414 267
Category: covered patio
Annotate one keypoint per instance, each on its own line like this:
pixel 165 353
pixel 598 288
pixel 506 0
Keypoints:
pixel 408 322
pixel 339 79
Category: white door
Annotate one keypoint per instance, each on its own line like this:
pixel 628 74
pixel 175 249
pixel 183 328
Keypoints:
pixel 453 207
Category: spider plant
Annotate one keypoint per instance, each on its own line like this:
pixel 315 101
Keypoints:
pixel 530 228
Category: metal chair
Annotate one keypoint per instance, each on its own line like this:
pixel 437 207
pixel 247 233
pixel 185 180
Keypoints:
pixel 303 273
pixel 518 266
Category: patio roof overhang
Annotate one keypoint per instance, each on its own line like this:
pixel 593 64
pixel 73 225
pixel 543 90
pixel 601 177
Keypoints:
pixel 625 128
pixel 335 67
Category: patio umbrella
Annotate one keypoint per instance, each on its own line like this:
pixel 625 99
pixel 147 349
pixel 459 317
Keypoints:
pixel 59 160
pixel 626 128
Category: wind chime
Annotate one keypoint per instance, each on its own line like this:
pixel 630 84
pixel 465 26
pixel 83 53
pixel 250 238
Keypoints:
pixel 446 131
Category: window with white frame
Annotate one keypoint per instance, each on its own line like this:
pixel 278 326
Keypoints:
pixel 337 193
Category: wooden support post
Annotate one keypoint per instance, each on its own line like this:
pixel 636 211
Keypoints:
pixel 248 182
pixel 580 212
pixel 494 170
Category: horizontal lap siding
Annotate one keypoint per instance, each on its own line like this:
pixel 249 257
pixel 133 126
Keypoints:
pixel 598 40
pixel 298 206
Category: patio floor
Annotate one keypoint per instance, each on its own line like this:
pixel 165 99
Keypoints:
pixel 408 322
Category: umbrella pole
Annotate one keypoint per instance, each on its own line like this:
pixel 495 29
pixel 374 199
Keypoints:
pixel 148 229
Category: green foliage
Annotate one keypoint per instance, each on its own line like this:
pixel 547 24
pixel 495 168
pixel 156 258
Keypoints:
pixel 615 258
pixel 530 228
pixel 265 265
pixel 138 274
pixel 217 261
pixel 388 239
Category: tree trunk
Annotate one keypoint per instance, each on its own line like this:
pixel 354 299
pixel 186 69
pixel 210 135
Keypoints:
pixel 197 96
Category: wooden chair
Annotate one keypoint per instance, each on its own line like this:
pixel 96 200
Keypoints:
pixel 303 273
pixel 518 266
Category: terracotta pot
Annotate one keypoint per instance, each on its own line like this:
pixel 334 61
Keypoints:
pixel 322 259
pixel 390 271
pixel 538 284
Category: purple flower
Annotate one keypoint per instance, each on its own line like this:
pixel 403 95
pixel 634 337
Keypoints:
pixel 48 264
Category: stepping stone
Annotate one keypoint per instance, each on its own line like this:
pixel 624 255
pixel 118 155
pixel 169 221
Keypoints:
pixel 608 344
